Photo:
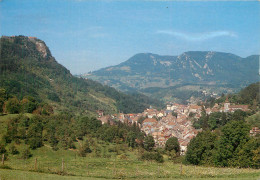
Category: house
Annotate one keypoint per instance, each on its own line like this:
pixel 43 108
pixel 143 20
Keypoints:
pixel 233 108
pixel 135 119
pixel 169 107
pixel 100 113
pixel 226 105
pixel 194 108
pixel 254 131
pixel 149 121
pixel 183 146
pixel 208 111
pixel 105 119
pixel 160 114
pixel 170 117
pixel 151 113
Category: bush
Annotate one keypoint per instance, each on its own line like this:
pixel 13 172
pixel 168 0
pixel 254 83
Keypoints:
pixel 13 150
pixel 71 144
pixel 84 149
pixel 172 144
pixel 12 106
pixel 55 148
pixel 172 154
pixel 149 143
pixel 26 153
pixel 148 156
pixel 5 167
pixel 123 156
pixel 97 151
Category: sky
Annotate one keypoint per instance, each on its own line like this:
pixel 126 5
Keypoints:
pixel 86 35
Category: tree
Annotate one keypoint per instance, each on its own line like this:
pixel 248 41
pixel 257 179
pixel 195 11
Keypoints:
pixel 3 97
pixel 172 144
pixel 234 135
pixel 248 155
pixel 34 134
pixel 13 149
pixel 12 106
pixel 174 114
pixel 131 136
pixel 149 143
pixel 201 148
pixel 28 104
pixel 239 115
pixel 214 120
pixel 2 149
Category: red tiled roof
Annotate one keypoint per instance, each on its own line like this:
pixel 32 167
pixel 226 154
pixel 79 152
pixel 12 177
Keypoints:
pixel 193 106
pixel 150 120
pixel 136 118
pixel 184 143
pixel 239 106
pixel 171 123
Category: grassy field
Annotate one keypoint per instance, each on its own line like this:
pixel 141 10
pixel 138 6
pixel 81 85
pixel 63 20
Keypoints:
pixel 49 166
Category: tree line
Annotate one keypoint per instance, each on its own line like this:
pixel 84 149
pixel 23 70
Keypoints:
pixel 225 141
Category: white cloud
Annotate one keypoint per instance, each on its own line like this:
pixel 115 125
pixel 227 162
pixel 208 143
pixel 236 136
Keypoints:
pixel 197 36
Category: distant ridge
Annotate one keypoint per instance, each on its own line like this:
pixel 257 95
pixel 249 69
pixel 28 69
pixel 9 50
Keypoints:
pixel 151 70
pixel 149 73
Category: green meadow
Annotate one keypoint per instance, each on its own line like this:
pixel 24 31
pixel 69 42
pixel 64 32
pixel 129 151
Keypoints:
pixel 125 166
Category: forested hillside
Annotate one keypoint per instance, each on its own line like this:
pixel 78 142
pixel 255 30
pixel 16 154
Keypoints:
pixel 226 139
pixel 249 95
pixel 27 68
pixel 199 67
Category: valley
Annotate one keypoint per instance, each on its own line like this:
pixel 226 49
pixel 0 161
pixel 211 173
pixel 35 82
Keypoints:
pixel 56 125
pixel 152 89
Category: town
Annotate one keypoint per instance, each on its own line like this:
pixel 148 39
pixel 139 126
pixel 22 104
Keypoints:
pixel 174 121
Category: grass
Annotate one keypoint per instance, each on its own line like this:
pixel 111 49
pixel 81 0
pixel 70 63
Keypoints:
pixel 49 164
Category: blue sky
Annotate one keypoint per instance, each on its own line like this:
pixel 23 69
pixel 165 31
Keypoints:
pixel 87 35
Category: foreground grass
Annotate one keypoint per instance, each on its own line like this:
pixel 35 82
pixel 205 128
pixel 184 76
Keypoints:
pixel 49 166
pixel 6 174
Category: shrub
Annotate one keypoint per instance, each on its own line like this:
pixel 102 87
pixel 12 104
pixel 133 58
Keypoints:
pixel 26 153
pixel 12 106
pixel 84 149
pixel 149 143
pixel 148 156
pixel 172 144
pixel 13 150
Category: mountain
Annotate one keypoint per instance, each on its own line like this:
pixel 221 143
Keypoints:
pixel 27 67
pixel 151 72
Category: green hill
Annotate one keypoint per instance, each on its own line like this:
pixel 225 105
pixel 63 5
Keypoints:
pixel 28 68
